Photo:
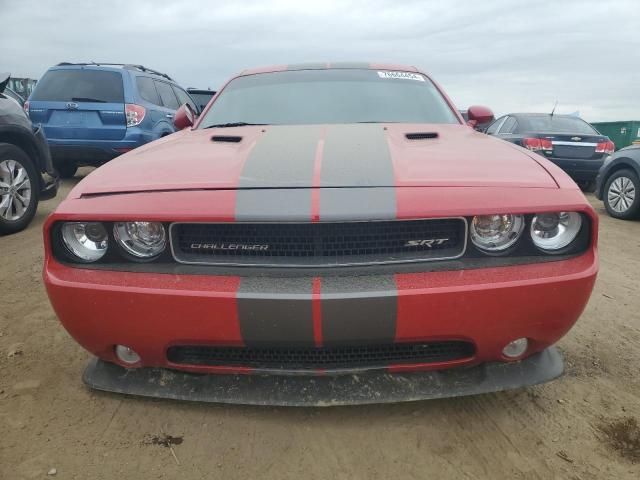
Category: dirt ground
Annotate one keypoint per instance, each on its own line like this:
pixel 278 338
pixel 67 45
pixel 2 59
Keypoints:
pixel 582 426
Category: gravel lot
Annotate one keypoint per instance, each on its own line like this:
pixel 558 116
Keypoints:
pixel 582 426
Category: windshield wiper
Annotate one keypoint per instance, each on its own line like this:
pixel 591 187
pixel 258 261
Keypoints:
pixel 234 124
pixel 87 99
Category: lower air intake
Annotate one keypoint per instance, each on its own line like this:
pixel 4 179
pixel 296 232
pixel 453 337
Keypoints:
pixel 338 357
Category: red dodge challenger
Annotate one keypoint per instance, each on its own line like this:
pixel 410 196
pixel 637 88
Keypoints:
pixel 322 234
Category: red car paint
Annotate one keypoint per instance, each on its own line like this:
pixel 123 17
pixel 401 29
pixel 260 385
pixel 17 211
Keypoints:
pixel 476 174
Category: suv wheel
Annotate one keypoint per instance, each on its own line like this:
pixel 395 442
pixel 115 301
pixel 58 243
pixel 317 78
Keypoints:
pixel 65 169
pixel 622 195
pixel 19 189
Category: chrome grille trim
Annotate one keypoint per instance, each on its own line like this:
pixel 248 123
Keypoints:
pixel 177 258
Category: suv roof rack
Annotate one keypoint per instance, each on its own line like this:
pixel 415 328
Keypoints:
pixel 142 68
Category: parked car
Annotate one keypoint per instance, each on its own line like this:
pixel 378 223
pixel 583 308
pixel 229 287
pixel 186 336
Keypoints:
pixel 568 141
pixel 201 97
pixel 26 172
pixel 92 113
pixel 618 184
pixel 319 222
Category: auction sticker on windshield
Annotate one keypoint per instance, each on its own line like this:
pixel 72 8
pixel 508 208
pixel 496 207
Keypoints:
pixel 401 75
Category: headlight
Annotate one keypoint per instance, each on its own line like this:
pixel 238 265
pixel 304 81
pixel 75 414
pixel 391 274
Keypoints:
pixel 496 233
pixel 554 231
pixel 143 240
pixel 87 241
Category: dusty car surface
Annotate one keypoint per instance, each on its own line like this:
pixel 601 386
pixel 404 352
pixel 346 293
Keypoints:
pixel 324 234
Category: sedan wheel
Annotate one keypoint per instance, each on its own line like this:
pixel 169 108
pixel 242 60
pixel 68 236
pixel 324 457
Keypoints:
pixel 19 189
pixel 621 195
pixel 15 190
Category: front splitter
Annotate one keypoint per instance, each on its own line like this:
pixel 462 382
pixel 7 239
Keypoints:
pixel 324 391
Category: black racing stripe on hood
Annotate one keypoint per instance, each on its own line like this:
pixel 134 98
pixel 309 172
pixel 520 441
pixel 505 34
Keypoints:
pixel 357 155
pixel 357 204
pixel 282 157
pixel 269 205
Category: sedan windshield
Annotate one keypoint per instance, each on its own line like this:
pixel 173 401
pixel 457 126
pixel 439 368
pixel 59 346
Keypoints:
pixel 557 124
pixel 329 96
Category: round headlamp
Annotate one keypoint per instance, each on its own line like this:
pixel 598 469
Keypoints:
pixel 496 233
pixel 85 241
pixel 143 240
pixel 555 230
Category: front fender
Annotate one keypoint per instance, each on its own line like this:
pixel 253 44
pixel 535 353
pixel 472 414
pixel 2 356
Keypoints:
pixel 33 142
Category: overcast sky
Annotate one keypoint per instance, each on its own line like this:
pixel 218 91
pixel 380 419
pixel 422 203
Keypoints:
pixel 585 54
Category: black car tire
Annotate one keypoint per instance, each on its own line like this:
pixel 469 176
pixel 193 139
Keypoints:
pixel 10 152
pixel 588 186
pixel 616 179
pixel 66 169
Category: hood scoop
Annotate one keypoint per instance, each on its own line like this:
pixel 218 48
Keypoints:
pixel 421 135
pixel 226 138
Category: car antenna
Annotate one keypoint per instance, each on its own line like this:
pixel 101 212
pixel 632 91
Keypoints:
pixel 554 108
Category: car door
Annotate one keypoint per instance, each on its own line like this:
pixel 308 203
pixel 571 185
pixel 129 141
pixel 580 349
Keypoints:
pixel 493 128
pixel 506 129
pixel 169 101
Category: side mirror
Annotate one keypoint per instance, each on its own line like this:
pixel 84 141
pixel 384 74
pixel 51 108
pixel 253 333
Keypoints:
pixel 184 118
pixel 479 115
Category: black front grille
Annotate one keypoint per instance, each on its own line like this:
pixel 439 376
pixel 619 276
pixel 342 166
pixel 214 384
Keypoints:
pixel 339 357
pixel 570 151
pixel 319 244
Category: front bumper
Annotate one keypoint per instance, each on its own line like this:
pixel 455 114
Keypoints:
pixel 97 152
pixel 325 391
pixel 579 170
pixel 489 307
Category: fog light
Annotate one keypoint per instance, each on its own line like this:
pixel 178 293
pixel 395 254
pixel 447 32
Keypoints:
pixel 516 348
pixel 127 355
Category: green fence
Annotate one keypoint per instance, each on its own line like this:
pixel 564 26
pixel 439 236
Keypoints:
pixel 622 134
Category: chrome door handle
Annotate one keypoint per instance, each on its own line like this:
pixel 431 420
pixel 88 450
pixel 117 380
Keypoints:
pixel 168 115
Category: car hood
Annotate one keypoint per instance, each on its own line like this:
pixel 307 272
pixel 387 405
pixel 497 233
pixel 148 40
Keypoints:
pixel 332 156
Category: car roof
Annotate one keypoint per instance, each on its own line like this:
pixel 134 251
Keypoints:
pixel 112 67
pixel 541 115
pixel 329 66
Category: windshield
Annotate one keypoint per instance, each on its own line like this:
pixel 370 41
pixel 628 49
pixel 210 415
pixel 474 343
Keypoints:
pixel 201 98
pixel 329 96
pixel 555 124
pixel 80 85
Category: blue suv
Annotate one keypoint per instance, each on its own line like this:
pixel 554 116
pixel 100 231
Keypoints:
pixel 93 112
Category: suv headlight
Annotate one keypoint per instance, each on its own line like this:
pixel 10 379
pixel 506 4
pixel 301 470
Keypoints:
pixel 554 231
pixel 86 241
pixel 496 233
pixel 142 240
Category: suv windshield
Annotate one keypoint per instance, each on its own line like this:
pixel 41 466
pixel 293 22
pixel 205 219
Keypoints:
pixel 329 96
pixel 555 124
pixel 80 85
